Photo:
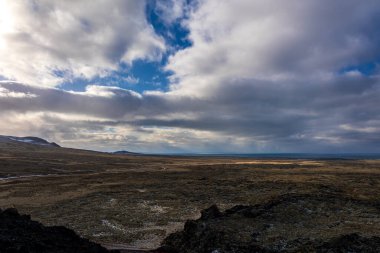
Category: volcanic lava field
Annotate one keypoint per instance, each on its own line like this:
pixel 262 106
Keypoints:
pixel 135 201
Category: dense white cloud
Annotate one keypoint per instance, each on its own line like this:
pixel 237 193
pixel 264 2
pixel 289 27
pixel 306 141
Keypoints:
pixel 273 40
pixel 47 42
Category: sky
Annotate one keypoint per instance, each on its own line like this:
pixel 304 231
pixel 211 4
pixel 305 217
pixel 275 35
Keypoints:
pixel 193 76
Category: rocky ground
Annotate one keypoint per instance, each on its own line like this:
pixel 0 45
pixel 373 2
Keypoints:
pixel 288 223
pixel 135 202
pixel 19 234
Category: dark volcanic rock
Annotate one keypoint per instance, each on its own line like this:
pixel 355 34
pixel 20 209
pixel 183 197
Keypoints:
pixel 19 234
pixel 289 223
pixel 211 213
pixel 351 243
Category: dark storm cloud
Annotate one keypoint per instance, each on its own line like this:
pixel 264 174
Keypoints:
pixel 341 110
pixel 114 104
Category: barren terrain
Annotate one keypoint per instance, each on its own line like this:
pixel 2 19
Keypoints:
pixel 132 201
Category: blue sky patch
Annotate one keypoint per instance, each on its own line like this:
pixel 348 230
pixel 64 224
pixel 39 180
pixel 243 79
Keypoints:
pixel 366 69
pixel 143 75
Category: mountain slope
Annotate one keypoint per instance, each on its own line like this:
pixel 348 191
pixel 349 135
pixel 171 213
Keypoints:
pixel 28 139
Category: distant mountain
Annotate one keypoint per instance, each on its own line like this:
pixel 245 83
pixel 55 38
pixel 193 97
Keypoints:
pixel 124 152
pixel 29 140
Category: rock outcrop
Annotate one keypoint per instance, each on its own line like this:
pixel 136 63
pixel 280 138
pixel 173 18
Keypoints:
pixel 289 223
pixel 20 234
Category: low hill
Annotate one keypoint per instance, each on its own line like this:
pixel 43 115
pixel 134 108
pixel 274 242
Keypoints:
pixel 124 152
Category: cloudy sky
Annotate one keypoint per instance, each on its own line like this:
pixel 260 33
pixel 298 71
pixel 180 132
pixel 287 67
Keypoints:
pixel 207 76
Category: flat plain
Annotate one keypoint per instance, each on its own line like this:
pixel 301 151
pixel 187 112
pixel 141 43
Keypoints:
pixel 135 201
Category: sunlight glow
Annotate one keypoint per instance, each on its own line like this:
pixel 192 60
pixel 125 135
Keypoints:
pixel 6 21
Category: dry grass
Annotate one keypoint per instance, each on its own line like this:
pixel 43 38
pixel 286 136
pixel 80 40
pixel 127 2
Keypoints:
pixel 138 200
